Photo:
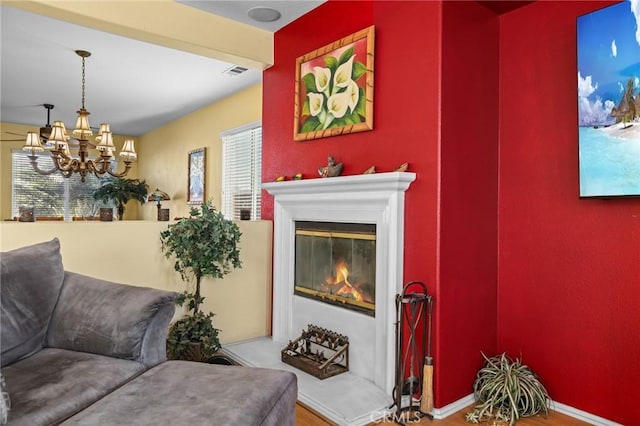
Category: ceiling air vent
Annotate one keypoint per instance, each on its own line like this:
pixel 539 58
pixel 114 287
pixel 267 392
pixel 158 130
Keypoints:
pixel 234 70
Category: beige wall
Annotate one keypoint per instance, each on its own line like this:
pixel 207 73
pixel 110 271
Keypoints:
pixel 131 209
pixel 129 252
pixel 163 153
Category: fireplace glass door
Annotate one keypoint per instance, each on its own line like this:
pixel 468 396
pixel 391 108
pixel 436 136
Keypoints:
pixel 336 263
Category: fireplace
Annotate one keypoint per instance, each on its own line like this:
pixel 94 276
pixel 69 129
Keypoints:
pixel 335 263
pixel 363 211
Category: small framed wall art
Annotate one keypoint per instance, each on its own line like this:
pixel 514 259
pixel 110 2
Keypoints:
pixel 334 88
pixel 195 193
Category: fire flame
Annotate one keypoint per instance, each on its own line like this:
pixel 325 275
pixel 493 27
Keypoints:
pixel 345 289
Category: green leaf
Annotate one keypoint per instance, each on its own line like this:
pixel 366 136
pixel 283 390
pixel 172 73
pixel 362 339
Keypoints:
pixel 361 106
pixel 346 55
pixel 305 107
pixel 310 82
pixel 310 124
pixel 332 63
pixel 355 117
pixel 358 70
pixel 338 122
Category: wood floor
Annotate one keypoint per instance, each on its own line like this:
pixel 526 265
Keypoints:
pixel 307 417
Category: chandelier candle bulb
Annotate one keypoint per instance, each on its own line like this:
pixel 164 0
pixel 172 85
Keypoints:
pixel 106 143
pixel 57 133
pixel 128 151
pixel 83 129
pixel 33 143
pixel 64 128
pixel 104 127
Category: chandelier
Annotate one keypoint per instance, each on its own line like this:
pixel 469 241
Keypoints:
pixel 57 142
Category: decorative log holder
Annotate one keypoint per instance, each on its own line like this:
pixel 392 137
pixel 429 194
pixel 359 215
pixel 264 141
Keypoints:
pixel 319 352
pixel 412 314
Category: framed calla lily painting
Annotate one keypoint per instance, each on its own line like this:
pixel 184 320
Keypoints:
pixel 334 88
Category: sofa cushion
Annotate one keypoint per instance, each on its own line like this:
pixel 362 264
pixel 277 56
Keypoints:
pixel 31 280
pixel 195 393
pixel 54 384
pixel 106 318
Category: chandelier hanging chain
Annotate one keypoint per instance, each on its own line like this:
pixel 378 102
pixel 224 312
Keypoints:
pixel 83 74
pixel 58 143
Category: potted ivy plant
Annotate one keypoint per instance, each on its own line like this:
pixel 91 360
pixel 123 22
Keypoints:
pixel 120 191
pixel 205 244
pixel 505 390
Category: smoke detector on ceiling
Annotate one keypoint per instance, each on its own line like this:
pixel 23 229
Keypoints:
pixel 263 14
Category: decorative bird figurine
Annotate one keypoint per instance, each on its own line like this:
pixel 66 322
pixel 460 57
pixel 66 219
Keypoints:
pixel 403 167
pixel 331 169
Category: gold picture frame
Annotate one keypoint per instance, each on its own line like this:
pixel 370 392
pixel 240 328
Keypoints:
pixel 334 88
pixel 197 174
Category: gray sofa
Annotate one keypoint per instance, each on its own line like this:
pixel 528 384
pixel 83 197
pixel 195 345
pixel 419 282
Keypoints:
pixel 79 350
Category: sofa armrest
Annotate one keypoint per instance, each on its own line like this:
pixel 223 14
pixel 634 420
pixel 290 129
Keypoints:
pixel 111 319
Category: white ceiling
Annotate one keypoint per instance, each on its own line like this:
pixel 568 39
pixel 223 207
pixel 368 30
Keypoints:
pixel 133 85
pixel 290 10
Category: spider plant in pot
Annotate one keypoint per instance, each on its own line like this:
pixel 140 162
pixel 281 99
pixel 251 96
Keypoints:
pixel 120 191
pixel 205 244
pixel 505 390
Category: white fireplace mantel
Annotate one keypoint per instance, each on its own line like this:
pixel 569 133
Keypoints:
pixel 375 198
pixel 394 181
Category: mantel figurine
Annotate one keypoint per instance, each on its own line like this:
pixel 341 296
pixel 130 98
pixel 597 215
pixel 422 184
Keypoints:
pixel 331 169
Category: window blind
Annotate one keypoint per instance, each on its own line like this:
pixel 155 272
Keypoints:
pixel 51 195
pixel 242 172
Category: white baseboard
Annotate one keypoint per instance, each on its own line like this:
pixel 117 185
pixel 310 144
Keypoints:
pixel 581 415
pixel 454 407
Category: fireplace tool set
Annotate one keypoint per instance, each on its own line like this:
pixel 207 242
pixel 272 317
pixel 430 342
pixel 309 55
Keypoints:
pixel 413 391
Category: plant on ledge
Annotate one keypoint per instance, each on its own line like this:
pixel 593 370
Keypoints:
pixel 205 244
pixel 506 390
pixel 120 191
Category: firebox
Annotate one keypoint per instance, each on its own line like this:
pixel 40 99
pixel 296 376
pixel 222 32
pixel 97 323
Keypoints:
pixel 335 263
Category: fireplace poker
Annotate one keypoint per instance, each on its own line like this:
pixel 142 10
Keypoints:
pixel 397 390
pixel 412 316
pixel 426 402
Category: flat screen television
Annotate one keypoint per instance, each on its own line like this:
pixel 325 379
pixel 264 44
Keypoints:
pixel 609 100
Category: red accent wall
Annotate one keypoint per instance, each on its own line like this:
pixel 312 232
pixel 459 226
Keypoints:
pixel 569 276
pixel 483 107
pixel 467 285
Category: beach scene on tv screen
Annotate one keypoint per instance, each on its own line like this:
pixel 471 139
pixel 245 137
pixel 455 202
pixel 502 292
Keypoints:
pixel 609 100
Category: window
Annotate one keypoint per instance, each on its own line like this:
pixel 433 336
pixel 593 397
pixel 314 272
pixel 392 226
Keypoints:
pixel 242 172
pixel 51 195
